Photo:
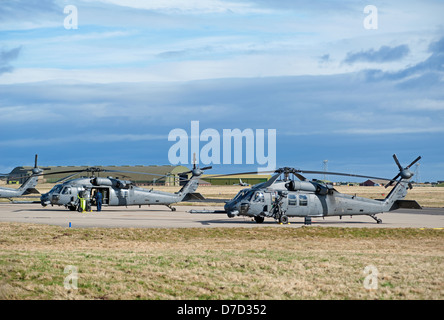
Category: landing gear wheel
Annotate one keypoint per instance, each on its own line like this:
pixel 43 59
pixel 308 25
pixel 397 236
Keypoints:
pixel 173 209
pixel 283 219
pixel 258 219
pixel 378 221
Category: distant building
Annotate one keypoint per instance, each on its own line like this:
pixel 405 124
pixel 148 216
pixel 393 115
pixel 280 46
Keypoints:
pixel 234 180
pixel 373 183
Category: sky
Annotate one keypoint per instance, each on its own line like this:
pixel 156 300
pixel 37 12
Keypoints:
pixel 104 82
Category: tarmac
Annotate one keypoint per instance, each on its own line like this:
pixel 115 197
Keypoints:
pixel 163 217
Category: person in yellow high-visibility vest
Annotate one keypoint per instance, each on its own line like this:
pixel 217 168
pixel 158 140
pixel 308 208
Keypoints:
pixel 82 202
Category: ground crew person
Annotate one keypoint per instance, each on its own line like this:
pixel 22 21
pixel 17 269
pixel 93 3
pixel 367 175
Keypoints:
pixel 99 199
pixel 81 202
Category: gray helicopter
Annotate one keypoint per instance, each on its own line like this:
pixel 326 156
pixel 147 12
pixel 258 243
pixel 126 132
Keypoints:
pixel 28 187
pixel 117 192
pixel 280 199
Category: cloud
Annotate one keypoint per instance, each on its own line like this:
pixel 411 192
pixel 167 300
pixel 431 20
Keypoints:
pixel 423 74
pixel 6 56
pixel 189 7
pixel 335 104
pixel 99 138
pixel 29 14
pixel 384 54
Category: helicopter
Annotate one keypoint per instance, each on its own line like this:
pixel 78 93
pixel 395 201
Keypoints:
pixel 28 187
pixel 241 183
pixel 117 192
pixel 280 199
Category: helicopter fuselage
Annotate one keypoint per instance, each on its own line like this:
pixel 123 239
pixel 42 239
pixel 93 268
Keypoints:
pixel 66 194
pixel 307 199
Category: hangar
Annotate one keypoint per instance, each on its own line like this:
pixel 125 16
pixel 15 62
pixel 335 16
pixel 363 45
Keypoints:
pixel 235 179
pixel 373 183
pixel 172 174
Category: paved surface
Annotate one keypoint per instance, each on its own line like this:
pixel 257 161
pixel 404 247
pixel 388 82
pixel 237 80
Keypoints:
pixel 162 217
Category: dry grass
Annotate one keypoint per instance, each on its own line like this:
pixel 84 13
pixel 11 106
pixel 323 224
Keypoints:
pixel 228 263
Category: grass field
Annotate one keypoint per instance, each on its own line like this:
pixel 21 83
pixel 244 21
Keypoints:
pixel 228 263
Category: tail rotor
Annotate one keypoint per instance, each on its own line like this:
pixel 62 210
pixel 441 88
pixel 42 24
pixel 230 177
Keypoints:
pixel 404 173
pixel 196 171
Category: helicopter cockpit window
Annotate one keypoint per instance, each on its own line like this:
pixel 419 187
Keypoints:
pixel 259 197
pixel 303 201
pixel 240 194
pixel 56 189
pixel 249 195
pixel 66 190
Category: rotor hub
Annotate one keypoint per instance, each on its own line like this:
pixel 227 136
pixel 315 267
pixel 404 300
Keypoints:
pixel 406 174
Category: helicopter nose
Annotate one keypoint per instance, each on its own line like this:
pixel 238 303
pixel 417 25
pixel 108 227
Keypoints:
pixel 44 199
pixel 230 208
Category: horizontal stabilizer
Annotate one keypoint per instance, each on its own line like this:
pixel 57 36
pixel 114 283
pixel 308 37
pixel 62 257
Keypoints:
pixel 31 191
pixel 405 204
pixel 193 196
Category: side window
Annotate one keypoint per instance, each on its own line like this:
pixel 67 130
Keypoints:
pixel 259 197
pixel 66 190
pixel 303 201
pixel 292 201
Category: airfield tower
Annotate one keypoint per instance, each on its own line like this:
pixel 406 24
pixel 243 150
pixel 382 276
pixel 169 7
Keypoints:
pixel 325 168
pixel 417 175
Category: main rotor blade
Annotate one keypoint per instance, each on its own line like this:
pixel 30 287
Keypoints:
pixel 94 170
pixel 270 181
pixel 300 176
pixel 342 174
pixel 66 178
pixel 135 172
pixel 297 173
pixel 397 162
pixel 414 161
pixel 238 173
pixel 393 180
